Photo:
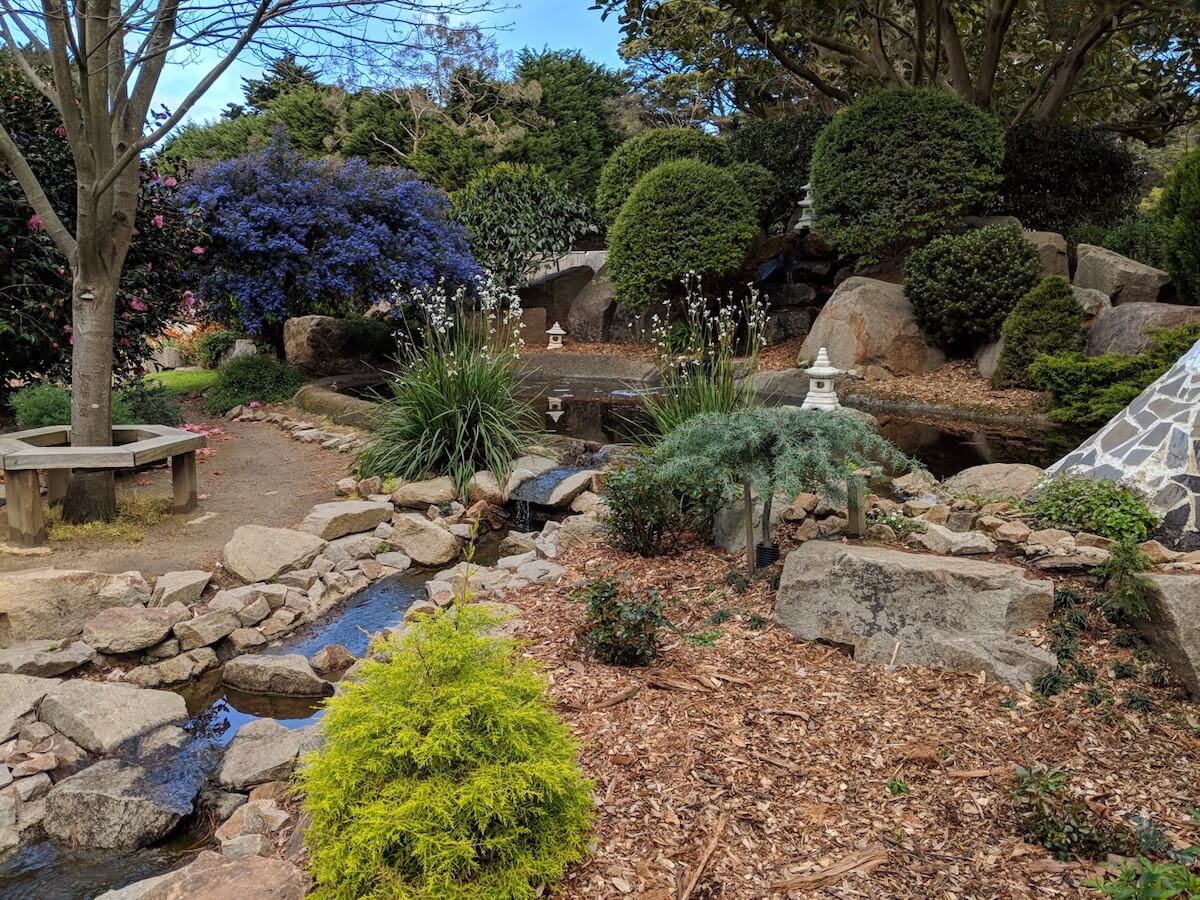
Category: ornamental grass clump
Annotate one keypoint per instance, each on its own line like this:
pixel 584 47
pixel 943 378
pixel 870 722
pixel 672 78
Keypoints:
pixel 444 774
pixel 454 408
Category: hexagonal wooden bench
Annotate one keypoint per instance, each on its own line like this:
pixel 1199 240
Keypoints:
pixel 22 453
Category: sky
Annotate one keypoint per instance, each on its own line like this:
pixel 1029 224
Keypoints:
pixel 556 24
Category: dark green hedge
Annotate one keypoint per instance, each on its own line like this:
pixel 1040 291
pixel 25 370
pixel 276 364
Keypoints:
pixel 1048 319
pixel 1180 209
pixel 783 145
pixel 899 167
pixel 684 216
pixel 639 155
pixel 963 286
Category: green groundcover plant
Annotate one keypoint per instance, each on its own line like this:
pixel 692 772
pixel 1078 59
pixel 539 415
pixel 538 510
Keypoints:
pixel 444 774
pixel 1100 507
pixel 249 379
pixel 137 403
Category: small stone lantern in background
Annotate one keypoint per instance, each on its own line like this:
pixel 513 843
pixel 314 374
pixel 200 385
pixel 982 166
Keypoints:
pixel 806 209
pixel 821 392
pixel 556 334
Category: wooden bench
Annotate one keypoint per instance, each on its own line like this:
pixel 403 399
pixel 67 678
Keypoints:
pixel 22 453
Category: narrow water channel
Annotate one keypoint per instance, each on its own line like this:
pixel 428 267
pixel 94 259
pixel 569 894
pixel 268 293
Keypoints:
pixel 45 871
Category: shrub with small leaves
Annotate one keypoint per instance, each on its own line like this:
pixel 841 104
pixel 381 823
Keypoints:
pixel 213 346
pixel 250 378
pixel 1101 507
pixel 963 286
pixel 444 774
pixel 1048 319
pixel 783 145
pixel 620 629
pixel 1064 825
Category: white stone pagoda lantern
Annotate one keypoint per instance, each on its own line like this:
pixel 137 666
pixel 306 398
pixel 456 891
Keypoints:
pixel 556 334
pixel 806 209
pixel 821 392
pixel 554 403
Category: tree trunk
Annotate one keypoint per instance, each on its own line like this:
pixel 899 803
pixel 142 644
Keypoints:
pixel 91 494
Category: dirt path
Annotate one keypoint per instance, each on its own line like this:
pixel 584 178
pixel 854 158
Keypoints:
pixel 254 475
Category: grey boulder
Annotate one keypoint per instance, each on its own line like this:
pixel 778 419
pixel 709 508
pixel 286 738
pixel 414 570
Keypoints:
pixel 51 604
pixel 44 659
pixel 257 553
pixel 1173 626
pixel 126 629
pixel 342 517
pixel 262 751
pixel 995 481
pixel 1125 280
pixel 286 676
pixel 100 717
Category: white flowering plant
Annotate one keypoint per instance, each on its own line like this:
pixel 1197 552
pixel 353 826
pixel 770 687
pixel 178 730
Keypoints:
pixel 454 408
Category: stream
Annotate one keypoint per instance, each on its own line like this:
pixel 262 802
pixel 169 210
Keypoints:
pixel 46 871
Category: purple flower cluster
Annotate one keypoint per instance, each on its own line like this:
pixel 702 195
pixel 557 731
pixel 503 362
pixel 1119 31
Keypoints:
pixel 291 236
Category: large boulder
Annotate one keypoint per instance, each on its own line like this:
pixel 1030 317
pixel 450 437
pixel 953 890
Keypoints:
pixel 1124 280
pixel 1126 328
pixel 995 481
pixel 1052 252
pixel 181 587
pixel 207 629
pixel 948 612
pixel 322 345
pixel 20 697
pixel 423 494
pixel 118 805
pixel 101 717
pixel 125 629
pixel 869 325
pixel 51 604
pixel 44 659
pixel 425 543
pixel 342 517
pixel 287 675
pixel 216 877
pixel 556 293
pixel 262 751
pixel 1173 627
pixel 591 315
pixel 257 553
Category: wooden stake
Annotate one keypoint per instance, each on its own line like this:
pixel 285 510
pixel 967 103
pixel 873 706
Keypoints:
pixel 694 879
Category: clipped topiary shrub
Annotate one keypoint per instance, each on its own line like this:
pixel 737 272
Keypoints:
pixel 898 167
pixel 783 145
pixel 760 187
pixel 1058 173
pixel 684 216
pixel 444 774
pixel 251 378
pixel 963 286
pixel 1046 320
pixel 639 155
pixel 1180 208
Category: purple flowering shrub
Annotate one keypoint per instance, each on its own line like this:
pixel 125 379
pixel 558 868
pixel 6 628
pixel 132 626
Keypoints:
pixel 290 236
pixel 35 282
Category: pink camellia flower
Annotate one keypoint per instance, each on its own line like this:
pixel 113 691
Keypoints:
pixel 254 404
pixel 135 232
pixel 198 250
pixel 35 222
pixel 157 221
pixel 139 305
pixel 61 131
pixel 125 342
pixel 72 340
pixel 170 182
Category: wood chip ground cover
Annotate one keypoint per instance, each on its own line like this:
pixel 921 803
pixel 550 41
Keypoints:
pixel 759 766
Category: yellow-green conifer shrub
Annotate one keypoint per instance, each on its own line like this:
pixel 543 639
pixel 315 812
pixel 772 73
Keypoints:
pixel 444 774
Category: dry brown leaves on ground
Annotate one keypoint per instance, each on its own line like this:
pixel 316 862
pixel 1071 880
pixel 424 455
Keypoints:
pixel 956 384
pixel 759 766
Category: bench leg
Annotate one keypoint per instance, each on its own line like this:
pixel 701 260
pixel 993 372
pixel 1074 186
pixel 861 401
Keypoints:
pixel 183 480
pixel 26 527
pixel 56 485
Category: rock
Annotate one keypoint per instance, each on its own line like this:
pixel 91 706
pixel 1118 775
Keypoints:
pixel 569 488
pixel 243 640
pixel 987 360
pixel 286 676
pixel 247 845
pixel 100 716
pixel 948 612
pixel 206 629
pixel 995 481
pixel 591 315
pixel 1126 328
pixel 729 524
pixel 344 487
pixel 1173 627
pixel 939 539
pixel 869 325
pixel 1012 533
pixel 785 324
pixel 1158 553
pixel 484 486
pixel 352 547
pixel 257 553
pixel 1052 252
pixel 116 805
pixel 126 629
pixel 423 494
pixel 342 517
pixel 180 587
pixel 1051 538
pixel 214 877
pixel 425 542
pixel 175 670
pixel 44 659
pixel 261 751
pixel 588 502
pixel 300 578
pixel 332 658
pixel 52 604
pixel 517 542
pixel 33 788
pixel 394 560
pixel 1093 301
pixel 20 696
pixel 1123 279
pixel 318 345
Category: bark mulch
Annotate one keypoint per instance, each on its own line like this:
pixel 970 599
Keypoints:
pixel 956 384
pixel 759 766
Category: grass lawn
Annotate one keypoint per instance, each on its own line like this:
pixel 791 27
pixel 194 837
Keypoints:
pixel 184 381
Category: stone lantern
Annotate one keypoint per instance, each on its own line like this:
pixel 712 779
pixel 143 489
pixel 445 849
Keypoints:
pixel 806 209
pixel 556 334
pixel 821 392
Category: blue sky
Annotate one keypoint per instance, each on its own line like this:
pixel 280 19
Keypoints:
pixel 557 24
